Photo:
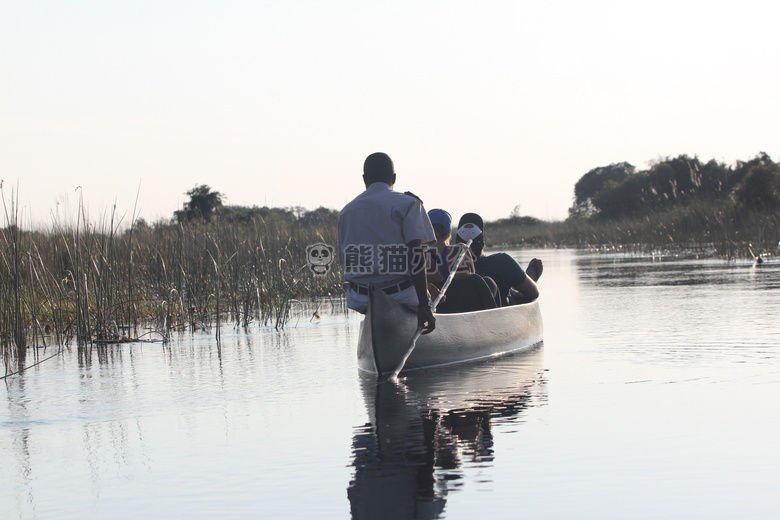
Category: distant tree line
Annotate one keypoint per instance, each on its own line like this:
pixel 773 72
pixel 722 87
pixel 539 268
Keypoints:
pixel 205 204
pixel 619 191
pixel 677 203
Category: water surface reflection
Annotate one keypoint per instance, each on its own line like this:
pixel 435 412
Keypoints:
pixel 424 428
pixel 662 392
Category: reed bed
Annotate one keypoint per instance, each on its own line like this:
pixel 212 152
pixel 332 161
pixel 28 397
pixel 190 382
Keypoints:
pixel 722 231
pixel 107 282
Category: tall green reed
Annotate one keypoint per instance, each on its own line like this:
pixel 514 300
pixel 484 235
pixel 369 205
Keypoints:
pixel 93 282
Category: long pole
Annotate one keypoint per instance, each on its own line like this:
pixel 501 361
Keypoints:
pixel 418 332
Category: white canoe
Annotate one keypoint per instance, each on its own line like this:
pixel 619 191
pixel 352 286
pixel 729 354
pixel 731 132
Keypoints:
pixel 387 330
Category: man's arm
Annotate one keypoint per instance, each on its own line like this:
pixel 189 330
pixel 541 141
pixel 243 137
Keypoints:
pixel 416 257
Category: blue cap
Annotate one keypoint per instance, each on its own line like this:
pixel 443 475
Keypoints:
pixel 439 216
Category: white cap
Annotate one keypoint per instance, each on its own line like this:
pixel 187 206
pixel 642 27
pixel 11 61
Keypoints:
pixel 469 231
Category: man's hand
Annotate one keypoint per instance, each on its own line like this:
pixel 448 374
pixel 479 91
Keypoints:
pixel 416 259
pixel 425 319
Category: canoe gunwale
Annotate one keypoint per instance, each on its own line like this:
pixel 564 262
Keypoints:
pixel 388 327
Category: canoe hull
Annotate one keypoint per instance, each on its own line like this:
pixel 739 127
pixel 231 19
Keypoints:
pixel 388 328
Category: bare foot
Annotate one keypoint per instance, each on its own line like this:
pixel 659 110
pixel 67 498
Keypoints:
pixel 534 269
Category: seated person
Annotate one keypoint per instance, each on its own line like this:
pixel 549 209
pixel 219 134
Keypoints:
pixel 468 291
pixel 514 285
pixel 442 255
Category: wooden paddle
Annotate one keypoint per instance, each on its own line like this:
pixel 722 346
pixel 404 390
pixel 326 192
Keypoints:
pixel 464 232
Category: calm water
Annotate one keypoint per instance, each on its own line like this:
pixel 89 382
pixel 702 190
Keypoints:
pixel 654 396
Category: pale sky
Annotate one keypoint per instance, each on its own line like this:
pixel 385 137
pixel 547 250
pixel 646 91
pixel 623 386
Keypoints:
pixel 482 105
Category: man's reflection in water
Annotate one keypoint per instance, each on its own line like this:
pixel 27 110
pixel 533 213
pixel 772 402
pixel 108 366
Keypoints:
pixel 411 455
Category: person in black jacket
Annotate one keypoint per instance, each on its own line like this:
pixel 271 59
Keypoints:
pixel 515 285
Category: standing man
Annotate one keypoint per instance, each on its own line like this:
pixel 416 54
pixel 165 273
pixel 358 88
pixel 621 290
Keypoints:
pixel 382 234
pixel 514 284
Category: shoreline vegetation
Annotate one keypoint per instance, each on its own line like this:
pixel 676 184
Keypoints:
pixel 94 283
pixel 678 204
pixel 702 231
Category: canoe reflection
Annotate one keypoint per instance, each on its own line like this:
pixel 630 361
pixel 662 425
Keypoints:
pixel 425 427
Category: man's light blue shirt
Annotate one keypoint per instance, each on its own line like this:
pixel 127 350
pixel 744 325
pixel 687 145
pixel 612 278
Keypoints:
pixel 373 232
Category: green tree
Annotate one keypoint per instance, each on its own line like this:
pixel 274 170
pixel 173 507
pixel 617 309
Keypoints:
pixel 594 181
pixel 202 204
pixel 680 180
pixel 621 199
pixel 738 173
pixel 319 217
pixel 712 179
pixel 760 188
